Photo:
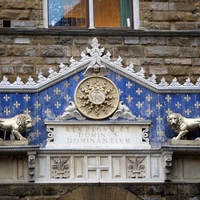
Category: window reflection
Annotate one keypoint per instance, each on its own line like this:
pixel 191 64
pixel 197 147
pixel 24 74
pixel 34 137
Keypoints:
pixel 67 13
pixel 74 13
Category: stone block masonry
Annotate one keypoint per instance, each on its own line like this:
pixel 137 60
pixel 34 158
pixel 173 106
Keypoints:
pixel 163 56
pixel 159 15
pixel 137 191
pixel 21 13
pixel 173 15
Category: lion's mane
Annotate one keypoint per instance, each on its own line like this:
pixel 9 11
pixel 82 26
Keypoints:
pixel 21 121
pixel 176 127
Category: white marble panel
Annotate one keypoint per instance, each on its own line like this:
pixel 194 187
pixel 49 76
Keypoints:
pixel 95 135
pixel 42 172
pixel 191 168
pixel 92 168
pixel 79 167
pixel 8 169
pixel 117 167
pixel 155 167
pixel 177 168
pixel 22 169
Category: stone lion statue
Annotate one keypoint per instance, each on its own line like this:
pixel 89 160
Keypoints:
pixel 182 125
pixel 16 125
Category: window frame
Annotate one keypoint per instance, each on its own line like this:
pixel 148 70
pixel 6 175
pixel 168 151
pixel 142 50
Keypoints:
pixel 135 15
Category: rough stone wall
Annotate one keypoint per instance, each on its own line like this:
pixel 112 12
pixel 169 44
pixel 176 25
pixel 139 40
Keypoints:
pixel 164 56
pixel 170 14
pixel 100 192
pixel 167 57
pixel 21 13
pixel 154 15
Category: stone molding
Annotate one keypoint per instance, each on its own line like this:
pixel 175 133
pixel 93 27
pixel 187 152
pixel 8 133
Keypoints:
pixel 170 148
pixel 44 166
pixel 19 149
pixel 96 32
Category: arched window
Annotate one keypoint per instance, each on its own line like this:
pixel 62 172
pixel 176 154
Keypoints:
pixel 92 13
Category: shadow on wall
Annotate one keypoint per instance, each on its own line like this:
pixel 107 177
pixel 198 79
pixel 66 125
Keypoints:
pixel 99 192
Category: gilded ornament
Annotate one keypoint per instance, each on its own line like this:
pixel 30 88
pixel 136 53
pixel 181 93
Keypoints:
pixel 96 97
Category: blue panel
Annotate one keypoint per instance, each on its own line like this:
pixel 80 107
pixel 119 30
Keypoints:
pixel 51 103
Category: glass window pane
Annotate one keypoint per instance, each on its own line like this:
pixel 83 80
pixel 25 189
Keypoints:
pixel 106 13
pixel 125 13
pixel 111 13
pixel 67 13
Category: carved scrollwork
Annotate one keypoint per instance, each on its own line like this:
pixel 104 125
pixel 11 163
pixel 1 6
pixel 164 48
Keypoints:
pixel 50 135
pixel 123 111
pixel 71 112
pixel 145 134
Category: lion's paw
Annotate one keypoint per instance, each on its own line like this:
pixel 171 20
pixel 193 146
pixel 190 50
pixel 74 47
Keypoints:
pixel 23 138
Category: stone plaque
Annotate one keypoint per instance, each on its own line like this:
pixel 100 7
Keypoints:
pixel 96 97
pixel 95 135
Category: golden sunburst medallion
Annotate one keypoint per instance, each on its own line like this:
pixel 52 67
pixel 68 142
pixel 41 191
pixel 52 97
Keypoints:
pixel 96 97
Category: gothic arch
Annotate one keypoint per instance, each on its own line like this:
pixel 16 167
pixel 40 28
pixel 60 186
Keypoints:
pixel 99 193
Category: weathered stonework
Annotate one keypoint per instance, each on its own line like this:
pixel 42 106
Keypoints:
pixel 159 55
pixel 166 45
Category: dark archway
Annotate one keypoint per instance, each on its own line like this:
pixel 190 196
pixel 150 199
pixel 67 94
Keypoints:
pixel 99 193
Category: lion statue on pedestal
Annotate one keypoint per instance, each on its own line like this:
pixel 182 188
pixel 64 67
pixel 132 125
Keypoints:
pixel 16 126
pixel 182 125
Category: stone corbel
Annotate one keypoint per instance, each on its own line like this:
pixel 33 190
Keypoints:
pixel 167 165
pixel 31 166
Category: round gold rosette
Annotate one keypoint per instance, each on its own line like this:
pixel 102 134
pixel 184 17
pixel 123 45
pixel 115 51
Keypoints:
pixel 96 97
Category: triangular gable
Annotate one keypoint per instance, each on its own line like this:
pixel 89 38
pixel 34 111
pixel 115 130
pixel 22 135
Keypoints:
pixel 104 56
pixel 47 98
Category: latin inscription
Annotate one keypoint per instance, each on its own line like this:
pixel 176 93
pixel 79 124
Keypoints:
pixel 98 135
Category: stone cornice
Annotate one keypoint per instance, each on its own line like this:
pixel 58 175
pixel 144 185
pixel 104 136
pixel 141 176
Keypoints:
pixel 121 184
pixel 169 148
pixel 181 149
pixel 18 149
pixel 99 152
pixel 98 32
pixel 141 122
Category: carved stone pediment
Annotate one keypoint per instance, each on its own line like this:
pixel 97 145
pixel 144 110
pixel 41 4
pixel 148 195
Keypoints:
pixel 96 61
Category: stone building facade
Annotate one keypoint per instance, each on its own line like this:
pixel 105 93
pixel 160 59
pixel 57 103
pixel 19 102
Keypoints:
pixel 165 45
